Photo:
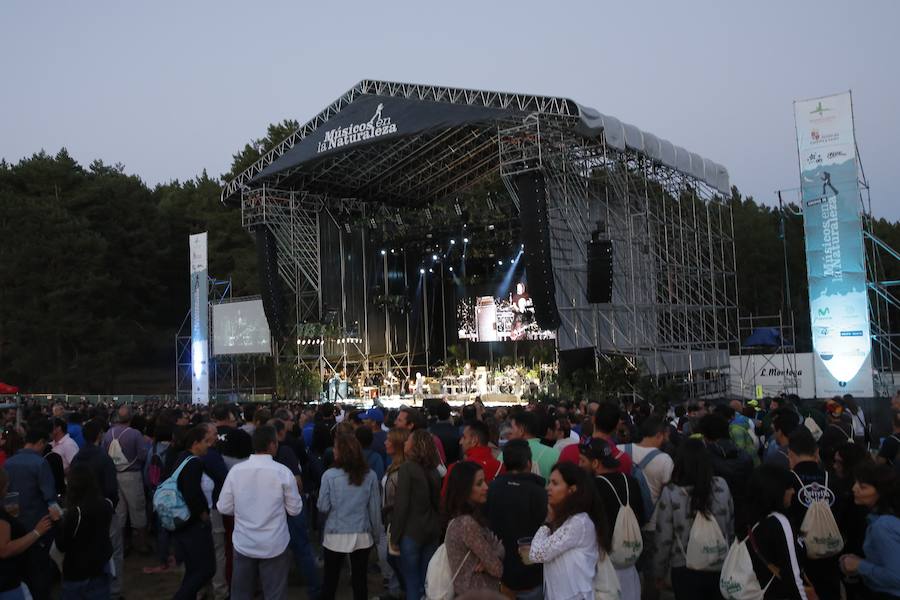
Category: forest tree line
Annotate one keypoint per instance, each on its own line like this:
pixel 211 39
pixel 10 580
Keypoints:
pixel 93 267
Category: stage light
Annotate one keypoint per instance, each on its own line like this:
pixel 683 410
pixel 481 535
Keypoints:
pixel 421 271
pixel 490 227
pixel 434 257
pixel 465 240
pixel 431 270
pixel 392 251
pixel 452 242
pixel 500 262
pixel 383 252
pixel 298 341
pixel 451 269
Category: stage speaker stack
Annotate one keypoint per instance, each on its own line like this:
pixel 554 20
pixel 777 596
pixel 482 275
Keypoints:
pixel 270 280
pixel 532 192
pixel 599 271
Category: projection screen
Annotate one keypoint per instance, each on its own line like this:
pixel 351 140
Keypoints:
pixel 240 328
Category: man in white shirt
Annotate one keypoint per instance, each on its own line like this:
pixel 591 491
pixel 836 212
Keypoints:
pixel 657 467
pixel 258 492
pixel 560 432
pixel 62 444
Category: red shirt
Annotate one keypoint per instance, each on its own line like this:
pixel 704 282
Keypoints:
pixel 484 457
pixel 571 454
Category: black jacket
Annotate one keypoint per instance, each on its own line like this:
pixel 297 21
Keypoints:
pixel 101 465
pixel 84 537
pixel 734 466
pixel 516 508
pixel 448 433
pixel 769 545
pixel 189 485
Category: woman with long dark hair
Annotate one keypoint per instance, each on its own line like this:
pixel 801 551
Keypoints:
pixel 415 522
pixel 474 552
pixel 878 489
pixel 193 539
pixel 692 491
pixel 349 494
pixel 394 447
pixel 570 544
pixel 772 542
pixel 15 541
pixel 84 537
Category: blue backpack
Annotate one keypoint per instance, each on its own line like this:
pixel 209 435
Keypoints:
pixel 637 471
pixel 168 501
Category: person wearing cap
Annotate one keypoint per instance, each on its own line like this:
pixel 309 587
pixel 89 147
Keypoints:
pixel 836 432
pixel 372 419
pixel 615 488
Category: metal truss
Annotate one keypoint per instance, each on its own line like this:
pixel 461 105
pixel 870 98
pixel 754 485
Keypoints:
pixel 674 304
pixel 674 290
pixel 524 103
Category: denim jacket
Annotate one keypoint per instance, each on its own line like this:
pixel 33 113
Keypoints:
pixel 350 508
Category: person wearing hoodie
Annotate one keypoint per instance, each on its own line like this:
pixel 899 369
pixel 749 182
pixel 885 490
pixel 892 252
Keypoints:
pixel 516 508
pixel 475 447
pixel 729 462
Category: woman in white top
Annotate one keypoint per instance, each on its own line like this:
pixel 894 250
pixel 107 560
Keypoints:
pixel 350 495
pixel 570 543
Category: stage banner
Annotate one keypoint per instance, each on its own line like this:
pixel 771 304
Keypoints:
pixel 199 321
pixel 835 252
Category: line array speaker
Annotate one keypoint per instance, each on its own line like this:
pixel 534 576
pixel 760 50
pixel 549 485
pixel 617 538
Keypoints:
pixel 599 272
pixel 532 192
pixel 270 280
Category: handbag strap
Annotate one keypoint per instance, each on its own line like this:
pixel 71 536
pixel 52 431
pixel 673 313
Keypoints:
pixel 459 568
pixel 613 488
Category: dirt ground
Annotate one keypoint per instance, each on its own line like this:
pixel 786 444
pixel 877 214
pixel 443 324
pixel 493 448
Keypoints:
pixel 139 586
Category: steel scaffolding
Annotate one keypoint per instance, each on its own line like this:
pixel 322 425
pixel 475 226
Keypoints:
pixel 674 306
pixel 674 292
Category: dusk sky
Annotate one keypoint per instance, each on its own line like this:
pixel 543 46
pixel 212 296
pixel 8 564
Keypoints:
pixel 172 88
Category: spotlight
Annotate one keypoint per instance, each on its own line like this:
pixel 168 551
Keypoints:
pixel 298 341
pixel 490 227
pixel 465 240
pixel 383 252
pixel 431 270
pixel 434 257
pixel 421 271
pixel 500 262
pixel 452 242
pixel 451 269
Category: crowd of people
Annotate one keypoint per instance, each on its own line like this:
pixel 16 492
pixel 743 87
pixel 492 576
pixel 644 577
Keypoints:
pixel 779 499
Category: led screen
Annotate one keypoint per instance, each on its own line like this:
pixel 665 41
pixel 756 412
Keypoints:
pixel 240 328
pixel 499 317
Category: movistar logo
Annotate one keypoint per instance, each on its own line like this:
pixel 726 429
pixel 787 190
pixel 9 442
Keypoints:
pixel 819 110
pixel 824 312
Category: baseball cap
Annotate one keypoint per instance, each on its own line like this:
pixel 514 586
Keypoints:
pixel 373 414
pixel 597 449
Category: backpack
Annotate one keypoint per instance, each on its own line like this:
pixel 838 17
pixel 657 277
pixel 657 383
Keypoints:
pixel 706 548
pixel 117 455
pixel 627 543
pixel 813 427
pixel 637 471
pixel 819 530
pixel 168 501
pixel 155 467
pixel 738 580
pixel 438 578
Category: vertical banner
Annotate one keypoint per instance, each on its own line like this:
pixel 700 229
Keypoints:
pixel 199 321
pixel 835 252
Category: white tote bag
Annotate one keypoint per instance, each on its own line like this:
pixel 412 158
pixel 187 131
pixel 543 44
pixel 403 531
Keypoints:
pixel 606 582
pixel 627 543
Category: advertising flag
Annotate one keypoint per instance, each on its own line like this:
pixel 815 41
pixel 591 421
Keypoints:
pixel 835 251
pixel 199 320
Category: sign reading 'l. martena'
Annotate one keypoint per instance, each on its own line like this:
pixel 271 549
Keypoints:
pixel 339 137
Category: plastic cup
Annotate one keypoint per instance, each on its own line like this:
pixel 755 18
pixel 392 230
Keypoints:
pixel 524 549
pixel 11 504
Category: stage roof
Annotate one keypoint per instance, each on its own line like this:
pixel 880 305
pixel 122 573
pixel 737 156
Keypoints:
pixel 403 143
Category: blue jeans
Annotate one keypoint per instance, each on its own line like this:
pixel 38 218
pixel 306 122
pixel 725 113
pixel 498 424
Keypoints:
pixel 96 588
pixel 13 594
pixel 414 559
pixel 303 553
